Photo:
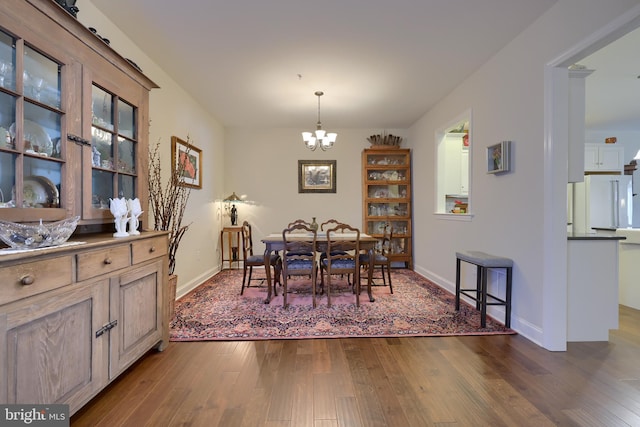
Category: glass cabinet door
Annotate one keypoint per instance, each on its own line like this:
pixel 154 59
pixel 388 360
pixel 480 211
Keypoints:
pixel 32 154
pixel 114 151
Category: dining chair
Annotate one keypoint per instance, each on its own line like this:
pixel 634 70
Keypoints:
pixel 341 257
pixel 380 257
pixel 251 260
pixel 299 258
pixel 328 224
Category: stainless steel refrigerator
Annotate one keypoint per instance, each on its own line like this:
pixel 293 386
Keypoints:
pixel 603 202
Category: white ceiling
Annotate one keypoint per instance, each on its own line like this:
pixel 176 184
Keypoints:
pixel 381 63
pixel 613 89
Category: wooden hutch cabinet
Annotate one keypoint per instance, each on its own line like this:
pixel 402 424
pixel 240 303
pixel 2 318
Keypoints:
pixel 73 134
pixel 386 196
pixel 73 118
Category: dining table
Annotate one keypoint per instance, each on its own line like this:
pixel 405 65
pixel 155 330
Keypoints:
pixel 274 242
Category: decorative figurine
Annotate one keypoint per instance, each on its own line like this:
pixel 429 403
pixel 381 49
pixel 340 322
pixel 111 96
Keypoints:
pixel 234 215
pixel 95 156
pixel 119 211
pixel 133 205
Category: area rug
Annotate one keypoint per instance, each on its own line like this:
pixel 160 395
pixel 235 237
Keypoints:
pixel 216 311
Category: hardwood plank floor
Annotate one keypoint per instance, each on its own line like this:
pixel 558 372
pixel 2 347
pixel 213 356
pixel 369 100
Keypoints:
pixel 451 381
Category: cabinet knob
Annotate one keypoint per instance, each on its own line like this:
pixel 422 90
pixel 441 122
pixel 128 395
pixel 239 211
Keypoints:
pixel 107 261
pixel 152 249
pixel 27 280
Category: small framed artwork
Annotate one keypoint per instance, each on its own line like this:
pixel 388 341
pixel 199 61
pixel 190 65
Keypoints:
pixel 465 141
pixel 498 157
pixel 187 160
pixel 316 176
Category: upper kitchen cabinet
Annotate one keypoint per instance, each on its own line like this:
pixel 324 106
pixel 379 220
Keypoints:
pixel 73 119
pixel 603 158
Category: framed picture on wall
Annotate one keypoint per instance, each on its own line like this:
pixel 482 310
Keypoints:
pixel 498 157
pixel 316 176
pixel 186 158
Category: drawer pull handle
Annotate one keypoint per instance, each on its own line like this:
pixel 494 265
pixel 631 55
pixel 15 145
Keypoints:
pixel 27 280
pixel 152 249
pixel 107 261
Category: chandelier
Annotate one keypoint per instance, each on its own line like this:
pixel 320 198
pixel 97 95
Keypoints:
pixel 321 138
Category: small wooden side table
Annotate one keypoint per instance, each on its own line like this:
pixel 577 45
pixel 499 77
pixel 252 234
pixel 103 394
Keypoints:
pixel 234 240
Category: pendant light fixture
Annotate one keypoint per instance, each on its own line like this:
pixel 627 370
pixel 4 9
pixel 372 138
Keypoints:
pixel 321 138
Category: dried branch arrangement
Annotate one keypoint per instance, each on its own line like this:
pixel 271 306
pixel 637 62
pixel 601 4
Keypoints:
pixel 168 201
pixel 385 139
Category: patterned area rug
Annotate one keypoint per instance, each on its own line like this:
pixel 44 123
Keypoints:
pixel 216 311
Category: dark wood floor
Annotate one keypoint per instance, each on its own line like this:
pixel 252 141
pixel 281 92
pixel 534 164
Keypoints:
pixel 453 381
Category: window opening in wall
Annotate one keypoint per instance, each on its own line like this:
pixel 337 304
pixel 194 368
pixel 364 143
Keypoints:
pixel 453 145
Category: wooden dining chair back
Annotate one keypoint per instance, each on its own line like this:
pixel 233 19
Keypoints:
pixel 251 260
pixel 299 221
pixel 299 258
pixel 326 225
pixel 341 257
pixel 381 257
pixel 329 223
pixel 303 222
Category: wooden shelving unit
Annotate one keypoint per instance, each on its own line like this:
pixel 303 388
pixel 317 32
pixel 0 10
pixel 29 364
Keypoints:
pixel 386 198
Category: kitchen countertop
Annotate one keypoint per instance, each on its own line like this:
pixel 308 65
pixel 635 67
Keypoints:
pixel 606 235
pixel 631 235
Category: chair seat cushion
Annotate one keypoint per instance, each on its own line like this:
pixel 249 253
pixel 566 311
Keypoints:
pixel 484 259
pixel 299 264
pixel 295 253
pixel 364 258
pixel 340 263
pixel 259 259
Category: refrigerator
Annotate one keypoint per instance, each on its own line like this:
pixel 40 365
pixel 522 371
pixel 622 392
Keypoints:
pixel 603 202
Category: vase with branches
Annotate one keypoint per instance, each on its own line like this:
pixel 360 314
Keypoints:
pixel 168 201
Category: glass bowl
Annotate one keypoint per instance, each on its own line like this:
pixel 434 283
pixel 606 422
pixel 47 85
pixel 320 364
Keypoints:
pixel 32 236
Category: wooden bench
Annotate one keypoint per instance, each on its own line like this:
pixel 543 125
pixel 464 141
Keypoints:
pixel 479 294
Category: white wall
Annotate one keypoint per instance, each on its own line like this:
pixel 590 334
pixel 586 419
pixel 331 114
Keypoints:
pixel 263 164
pixel 507 100
pixel 174 113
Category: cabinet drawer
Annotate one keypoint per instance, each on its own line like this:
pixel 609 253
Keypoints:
pixel 149 248
pixel 31 278
pixel 96 263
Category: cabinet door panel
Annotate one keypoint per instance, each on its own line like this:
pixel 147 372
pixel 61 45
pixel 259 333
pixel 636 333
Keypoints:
pixel 611 158
pixel 51 355
pixel 136 302
pixel 117 147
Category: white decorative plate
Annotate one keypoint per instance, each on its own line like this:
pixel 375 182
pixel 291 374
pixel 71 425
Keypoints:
pixel 36 136
pixel 34 193
pixel 40 191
